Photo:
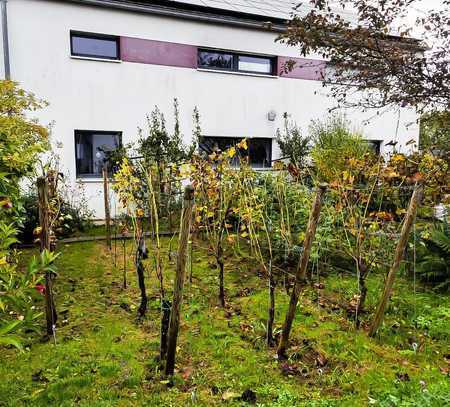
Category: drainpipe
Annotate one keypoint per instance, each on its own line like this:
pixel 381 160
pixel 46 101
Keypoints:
pixel 5 39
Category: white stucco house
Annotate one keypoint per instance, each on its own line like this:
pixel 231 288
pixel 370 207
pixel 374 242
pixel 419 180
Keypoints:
pixel 104 64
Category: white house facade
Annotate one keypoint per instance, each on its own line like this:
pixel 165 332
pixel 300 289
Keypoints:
pixel 104 64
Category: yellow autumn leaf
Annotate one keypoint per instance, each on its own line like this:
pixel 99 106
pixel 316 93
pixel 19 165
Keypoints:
pixel 231 152
pixel 242 144
pixel 186 170
pixel 37 231
pixel 400 211
pixel 425 235
pixel 398 158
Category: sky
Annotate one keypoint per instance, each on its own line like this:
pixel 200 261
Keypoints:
pixel 419 9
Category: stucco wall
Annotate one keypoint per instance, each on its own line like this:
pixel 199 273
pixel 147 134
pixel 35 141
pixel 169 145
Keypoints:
pixel 95 95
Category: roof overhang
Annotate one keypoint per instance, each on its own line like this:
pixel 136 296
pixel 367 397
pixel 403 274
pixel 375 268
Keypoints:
pixel 191 12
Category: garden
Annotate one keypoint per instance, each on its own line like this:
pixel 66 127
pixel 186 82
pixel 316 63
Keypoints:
pixel 322 280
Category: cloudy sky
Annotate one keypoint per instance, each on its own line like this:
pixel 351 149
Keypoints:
pixel 419 9
pixel 422 7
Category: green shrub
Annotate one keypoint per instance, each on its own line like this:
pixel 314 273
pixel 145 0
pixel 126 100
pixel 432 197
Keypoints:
pixel 335 143
pixel 433 258
pixel 293 144
pixel 73 217
pixel 22 140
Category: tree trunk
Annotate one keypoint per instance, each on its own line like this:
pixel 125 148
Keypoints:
pixel 271 314
pixel 363 271
pixel 141 254
pixel 107 210
pixel 124 264
pixel 399 253
pixel 165 319
pixel 185 227
pixel 45 244
pixel 301 271
pixel 221 276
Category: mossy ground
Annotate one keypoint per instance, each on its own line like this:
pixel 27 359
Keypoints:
pixel 104 357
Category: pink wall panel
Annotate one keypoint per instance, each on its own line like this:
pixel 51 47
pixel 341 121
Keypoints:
pixel 158 52
pixel 172 54
pixel 304 68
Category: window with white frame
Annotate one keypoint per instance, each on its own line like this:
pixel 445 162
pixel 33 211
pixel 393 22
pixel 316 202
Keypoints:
pixel 92 45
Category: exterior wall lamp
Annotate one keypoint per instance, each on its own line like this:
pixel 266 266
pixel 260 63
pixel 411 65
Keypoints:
pixel 271 115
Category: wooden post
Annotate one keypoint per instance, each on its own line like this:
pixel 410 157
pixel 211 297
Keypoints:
pixel 107 210
pixel 186 218
pixel 399 253
pixel 300 274
pixel 44 221
pixel 45 244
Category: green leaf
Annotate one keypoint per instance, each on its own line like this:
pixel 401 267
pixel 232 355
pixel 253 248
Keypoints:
pixel 7 328
pixel 12 340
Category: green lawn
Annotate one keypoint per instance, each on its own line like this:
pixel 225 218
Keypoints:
pixel 103 357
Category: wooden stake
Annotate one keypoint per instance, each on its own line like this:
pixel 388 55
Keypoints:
pixel 107 210
pixel 186 218
pixel 300 274
pixel 45 244
pixel 399 253
pixel 44 221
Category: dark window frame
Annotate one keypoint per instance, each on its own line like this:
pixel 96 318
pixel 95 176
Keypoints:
pixel 91 132
pixel 232 141
pixel 375 145
pixel 235 61
pixel 84 34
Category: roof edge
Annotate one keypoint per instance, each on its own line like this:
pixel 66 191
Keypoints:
pixel 191 12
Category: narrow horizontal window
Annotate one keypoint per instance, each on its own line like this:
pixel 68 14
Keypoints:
pixel 258 154
pixel 235 62
pixel 92 150
pixel 215 60
pixel 94 45
pixel 255 64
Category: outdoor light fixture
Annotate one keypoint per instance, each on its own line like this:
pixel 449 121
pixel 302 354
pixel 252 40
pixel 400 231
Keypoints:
pixel 272 115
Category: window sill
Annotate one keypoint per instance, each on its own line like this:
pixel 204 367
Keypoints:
pixel 258 75
pixel 89 180
pixel 116 61
pixel 92 180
